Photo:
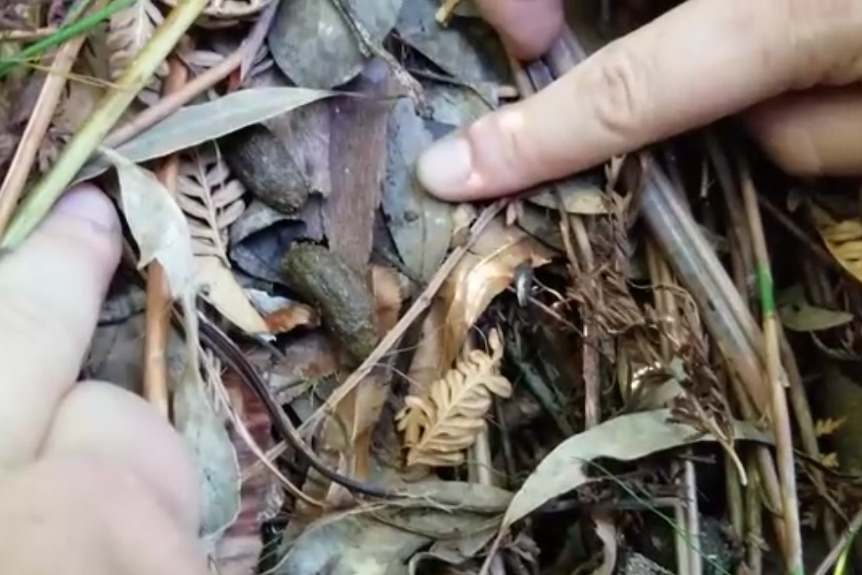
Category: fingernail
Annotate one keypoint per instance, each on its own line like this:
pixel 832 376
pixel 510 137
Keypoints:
pixel 86 202
pixel 443 169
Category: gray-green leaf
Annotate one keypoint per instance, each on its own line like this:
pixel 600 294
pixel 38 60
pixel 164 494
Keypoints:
pixel 158 225
pixel 192 125
pixel 624 438
pixel 314 46
pixel 797 314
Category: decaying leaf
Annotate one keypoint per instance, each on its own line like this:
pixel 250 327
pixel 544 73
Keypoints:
pixel 843 239
pixel 157 224
pixel 281 314
pixel 439 426
pixel 195 124
pixel 314 46
pixel 357 159
pixel 129 31
pixel 200 424
pixel 420 224
pixel 452 48
pixel 624 438
pixel 798 314
pixel 212 200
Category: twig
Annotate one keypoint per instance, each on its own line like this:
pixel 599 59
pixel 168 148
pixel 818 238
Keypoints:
pixel 113 104
pixel 814 247
pixel 170 103
pixel 37 127
pixel 26 35
pixel 838 548
pixel 421 303
pixel 158 311
pixel 779 411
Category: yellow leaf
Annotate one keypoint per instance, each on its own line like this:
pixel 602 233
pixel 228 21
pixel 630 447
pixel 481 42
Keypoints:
pixel 827 426
pixel 843 239
pixel 829 460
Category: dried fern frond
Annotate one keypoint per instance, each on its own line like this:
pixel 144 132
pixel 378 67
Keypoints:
pixel 439 426
pixel 211 199
pixel 128 32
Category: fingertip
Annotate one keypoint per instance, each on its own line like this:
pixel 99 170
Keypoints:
pixel 527 27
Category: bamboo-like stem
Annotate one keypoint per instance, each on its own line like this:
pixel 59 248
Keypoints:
pixel 845 540
pixel 158 311
pixel 46 192
pixel 753 520
pixel 779 411
pixel 40 120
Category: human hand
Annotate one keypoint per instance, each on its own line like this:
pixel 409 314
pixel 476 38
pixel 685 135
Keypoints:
pixel 790 65
pixel 92 480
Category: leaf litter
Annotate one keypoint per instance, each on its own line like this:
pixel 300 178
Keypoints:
pixel 564 372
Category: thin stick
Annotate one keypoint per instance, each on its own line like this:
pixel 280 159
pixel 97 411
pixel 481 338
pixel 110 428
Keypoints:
pixel 43 112
pixel 170 103
pixel 780 416
pixel 391 338
pixel 40 200
pixel 754 520
pixel 837 549
pixel 26 35
pixel 158 312
pixel 420 305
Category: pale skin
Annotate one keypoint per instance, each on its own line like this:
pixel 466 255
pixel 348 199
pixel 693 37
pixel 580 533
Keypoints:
pixel 93 481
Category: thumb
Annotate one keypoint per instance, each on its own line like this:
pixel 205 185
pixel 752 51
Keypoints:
pixel 700 61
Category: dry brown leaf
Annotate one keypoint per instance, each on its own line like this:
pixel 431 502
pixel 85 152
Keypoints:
pixel 439 426
pixel 485 271
pixel 220 288
pixel 211 199
pixel 129 31
pixel 480 276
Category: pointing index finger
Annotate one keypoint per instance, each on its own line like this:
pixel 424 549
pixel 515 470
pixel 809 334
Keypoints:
pixel 698 62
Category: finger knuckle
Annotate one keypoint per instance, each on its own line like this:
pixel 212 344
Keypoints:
pixel 513 155
pixel 619 86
